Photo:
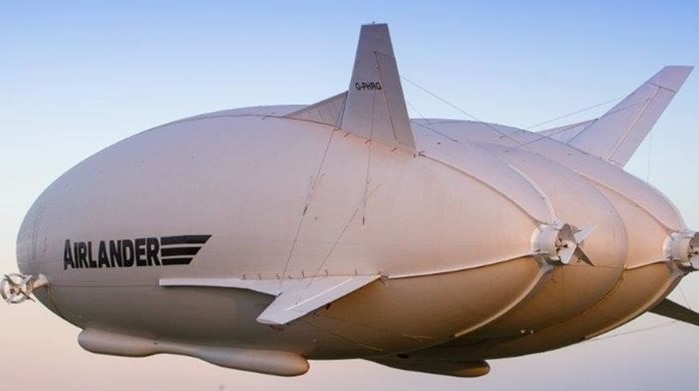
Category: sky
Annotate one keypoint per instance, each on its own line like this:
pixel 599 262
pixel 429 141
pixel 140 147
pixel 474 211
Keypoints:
pixel 75 77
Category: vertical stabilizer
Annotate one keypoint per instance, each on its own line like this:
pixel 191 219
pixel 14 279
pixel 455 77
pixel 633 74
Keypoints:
pixel 616 135
pixel 375 107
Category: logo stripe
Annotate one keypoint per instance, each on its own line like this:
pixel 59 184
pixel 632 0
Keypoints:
pixel 178 251
pixel 184 239
pixel 176 261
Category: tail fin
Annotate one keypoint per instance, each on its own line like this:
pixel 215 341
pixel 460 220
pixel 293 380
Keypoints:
pixel 375 103
pixel 616 135
pixel 374 107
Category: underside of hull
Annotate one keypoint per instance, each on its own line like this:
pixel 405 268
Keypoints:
pixel 620 306
pixel 365 324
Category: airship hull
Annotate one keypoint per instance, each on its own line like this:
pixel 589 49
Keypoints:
pixel 262 237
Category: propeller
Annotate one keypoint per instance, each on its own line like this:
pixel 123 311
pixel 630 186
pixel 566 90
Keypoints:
pixel 561 243
pixel 683 247
pixel 16 288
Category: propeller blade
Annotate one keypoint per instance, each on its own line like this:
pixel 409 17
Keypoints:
pixel 11 281
pixel 583 257
pixel 584 233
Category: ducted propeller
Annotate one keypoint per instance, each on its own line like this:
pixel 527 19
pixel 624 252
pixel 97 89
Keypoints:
pixel 16 288
pixel 561 243
pixel 683 248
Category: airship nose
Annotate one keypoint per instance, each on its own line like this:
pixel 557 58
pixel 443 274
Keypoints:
pixel 33 260
pixel 31 243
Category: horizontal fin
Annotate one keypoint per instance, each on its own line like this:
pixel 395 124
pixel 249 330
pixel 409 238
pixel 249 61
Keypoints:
pixel 300 297
pixel 294 297
pixel 616 135
pixel 672 310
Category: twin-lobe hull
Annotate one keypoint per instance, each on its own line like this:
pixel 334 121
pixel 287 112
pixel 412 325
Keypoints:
pixel 450 231
pixel 566 309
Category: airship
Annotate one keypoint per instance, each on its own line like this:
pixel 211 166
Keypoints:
pixel 264 237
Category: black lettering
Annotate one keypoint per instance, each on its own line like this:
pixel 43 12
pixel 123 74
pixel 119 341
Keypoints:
pixel 76 256
pixel 91 260
pixel 102 257
pixel 152 249
pixel 146 251
pixel 140 251
pixel 127 251
pixel 374 85
pixel 82 255
pixel 68 256
pixel 115 253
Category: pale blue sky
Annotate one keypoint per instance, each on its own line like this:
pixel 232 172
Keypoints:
pixel 76 77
